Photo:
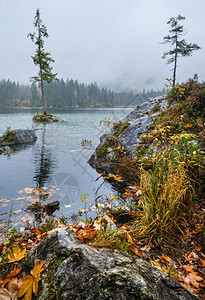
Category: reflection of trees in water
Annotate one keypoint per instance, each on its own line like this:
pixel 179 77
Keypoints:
pixel 44 163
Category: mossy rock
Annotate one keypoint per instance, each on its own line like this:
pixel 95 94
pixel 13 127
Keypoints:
pixel 8 135
pixel 108 143
pixel 18 136
pixel 45 118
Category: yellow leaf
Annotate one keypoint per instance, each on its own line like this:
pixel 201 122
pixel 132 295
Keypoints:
pixel 26 288
pixel 35 284
pixel 30 282
pixel 38 268
pixel 17 255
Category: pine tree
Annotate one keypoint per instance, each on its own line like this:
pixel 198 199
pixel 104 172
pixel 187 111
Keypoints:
pixel 41 58
pixel 180 47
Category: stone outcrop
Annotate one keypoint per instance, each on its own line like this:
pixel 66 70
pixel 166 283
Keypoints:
pixel 78 271
pixel 46 118
pixel 139 121
pixel 18 136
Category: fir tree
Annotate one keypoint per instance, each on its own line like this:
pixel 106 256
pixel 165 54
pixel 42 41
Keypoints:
pixel 179 46
pixel 41 58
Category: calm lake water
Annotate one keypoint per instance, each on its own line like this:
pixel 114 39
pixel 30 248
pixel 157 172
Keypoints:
pixel 55 161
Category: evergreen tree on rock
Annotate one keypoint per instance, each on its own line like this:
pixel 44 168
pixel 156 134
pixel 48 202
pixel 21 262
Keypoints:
pixel 179 46
pixel 41 58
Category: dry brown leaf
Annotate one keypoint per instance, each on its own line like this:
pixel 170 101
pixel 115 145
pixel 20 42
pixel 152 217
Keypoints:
pixel 96 225
pixel 129 238
pixel 193 279
pixel 188 268
pixel 4 294
pixel 16 255
pixel 13 288
pixel 164 258
pixel 3 199
pixel 203 262
pixel 198 248
pixel 135 250
pixel 36 230
pixel 85 233
pixel 1 283
pixel 13 273
pixel 84 210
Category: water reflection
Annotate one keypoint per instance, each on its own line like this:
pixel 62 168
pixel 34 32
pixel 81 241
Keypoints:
pixel 45 162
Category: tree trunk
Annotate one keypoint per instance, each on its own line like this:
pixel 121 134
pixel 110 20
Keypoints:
pixel 43 98
pixel 175 63
pixel 175 69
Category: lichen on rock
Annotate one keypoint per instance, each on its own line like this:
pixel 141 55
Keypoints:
pixel 85 272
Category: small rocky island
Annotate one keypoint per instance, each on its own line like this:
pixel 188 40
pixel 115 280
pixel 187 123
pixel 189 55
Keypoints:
pixel 45 118
pixel 18 136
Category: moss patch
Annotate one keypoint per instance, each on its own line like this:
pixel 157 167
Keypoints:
pixel 120 127
pixel 8 135
pixel 111 141
pixel 52 293
pixel 45 118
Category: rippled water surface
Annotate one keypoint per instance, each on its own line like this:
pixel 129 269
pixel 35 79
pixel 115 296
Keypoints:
pixel 56 160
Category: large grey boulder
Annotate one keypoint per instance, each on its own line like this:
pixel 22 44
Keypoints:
pixel 139 121
pixel 87 273
pixel 18 136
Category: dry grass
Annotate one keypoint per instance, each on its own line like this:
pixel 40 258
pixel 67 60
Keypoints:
pixel 165 201
pixel 110 239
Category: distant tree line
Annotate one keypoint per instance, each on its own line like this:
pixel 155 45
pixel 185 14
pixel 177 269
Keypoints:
pixel 69 93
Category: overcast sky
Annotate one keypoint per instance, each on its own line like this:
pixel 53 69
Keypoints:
pixel 112 42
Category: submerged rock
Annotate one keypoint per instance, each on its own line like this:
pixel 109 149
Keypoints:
pixel 78 271
pixel 18 136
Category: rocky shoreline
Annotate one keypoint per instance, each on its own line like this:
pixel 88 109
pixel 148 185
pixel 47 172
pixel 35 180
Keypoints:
pixel 139 120
pixel 78 271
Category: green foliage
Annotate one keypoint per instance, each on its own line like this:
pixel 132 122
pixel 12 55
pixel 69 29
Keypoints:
pixel 179 47
pixel 55 262
pixel 156 108
pixel 109 142
pixel 47 225
pixel 111 239
pixel 42 59
pixel 119 127
pixel 69 93
pixel 86 142
pixel 10 234
pixel 8 134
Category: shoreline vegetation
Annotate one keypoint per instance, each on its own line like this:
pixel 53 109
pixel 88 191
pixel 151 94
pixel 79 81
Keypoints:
pixel 159 214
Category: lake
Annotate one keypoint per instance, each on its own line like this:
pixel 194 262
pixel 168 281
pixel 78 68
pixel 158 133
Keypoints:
pixel 56 162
